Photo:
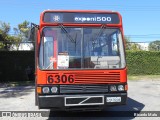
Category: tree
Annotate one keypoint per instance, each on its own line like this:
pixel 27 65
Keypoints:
pixel 22 30
pixel 135 46
pixel 154 46
pixel 7 40
pixel 127 42
pixel 21 33
pixel 131 45
pixel 4 30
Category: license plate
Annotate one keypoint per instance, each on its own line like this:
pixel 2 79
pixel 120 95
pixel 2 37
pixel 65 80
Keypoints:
pixel 113 99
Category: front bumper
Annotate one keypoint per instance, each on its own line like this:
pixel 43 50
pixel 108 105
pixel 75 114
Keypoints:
pixel 85 101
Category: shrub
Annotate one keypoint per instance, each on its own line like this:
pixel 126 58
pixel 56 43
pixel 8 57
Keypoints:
pixel 143 62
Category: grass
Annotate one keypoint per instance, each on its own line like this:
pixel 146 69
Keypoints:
pixel 143 77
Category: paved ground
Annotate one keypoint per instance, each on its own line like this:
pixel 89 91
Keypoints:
pixel 143 95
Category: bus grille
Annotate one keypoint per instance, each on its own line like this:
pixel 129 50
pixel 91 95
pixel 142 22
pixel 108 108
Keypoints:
pixel 83 88
pixel 99 78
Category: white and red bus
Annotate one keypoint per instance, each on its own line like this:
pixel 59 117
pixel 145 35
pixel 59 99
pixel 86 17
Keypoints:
pixel 80 60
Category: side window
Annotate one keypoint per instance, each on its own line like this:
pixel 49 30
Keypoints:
pixel 114 43
pixel 48 52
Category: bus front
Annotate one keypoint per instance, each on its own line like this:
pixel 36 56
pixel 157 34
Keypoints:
pixel 80 60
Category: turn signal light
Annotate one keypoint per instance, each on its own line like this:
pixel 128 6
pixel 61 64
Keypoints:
pixel 126 87
pixel 39 90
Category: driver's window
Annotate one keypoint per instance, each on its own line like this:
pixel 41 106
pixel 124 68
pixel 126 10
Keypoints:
pixel 48 52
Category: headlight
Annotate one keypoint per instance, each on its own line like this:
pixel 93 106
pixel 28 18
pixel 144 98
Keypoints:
pixel 45 89
pixel 113 88
pixel 120 88
pixel 54 89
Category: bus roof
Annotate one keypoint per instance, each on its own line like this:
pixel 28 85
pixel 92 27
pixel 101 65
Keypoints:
pixel 83 11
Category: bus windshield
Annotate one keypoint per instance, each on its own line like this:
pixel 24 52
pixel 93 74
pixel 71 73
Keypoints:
pixel 81 48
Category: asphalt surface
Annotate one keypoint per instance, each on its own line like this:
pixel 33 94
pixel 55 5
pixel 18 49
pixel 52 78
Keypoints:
pixel 143 95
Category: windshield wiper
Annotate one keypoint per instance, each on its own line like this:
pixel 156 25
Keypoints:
pixel 66 32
